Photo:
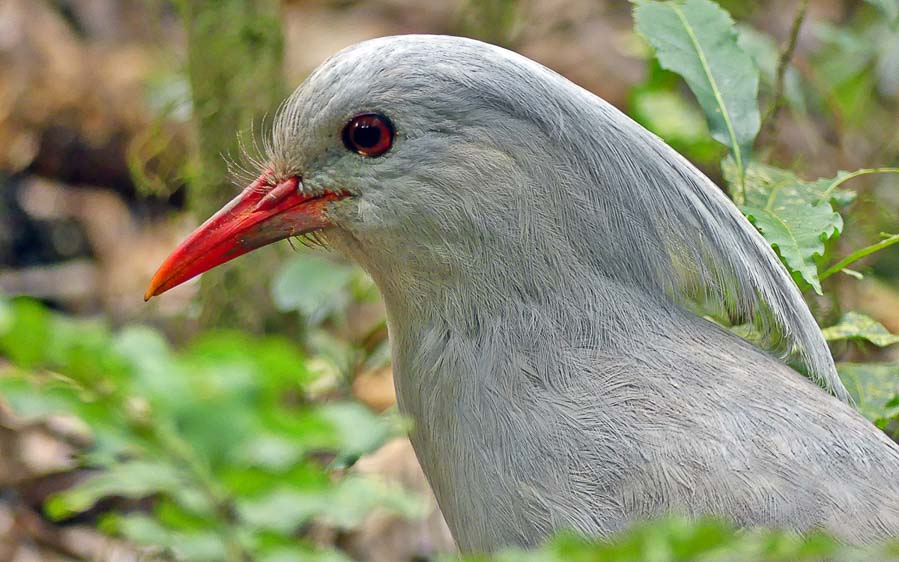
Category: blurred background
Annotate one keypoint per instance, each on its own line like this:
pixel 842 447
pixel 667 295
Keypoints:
pixel 119 124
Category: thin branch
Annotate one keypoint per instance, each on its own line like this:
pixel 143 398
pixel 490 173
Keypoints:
pixel 862 172
pixel 782 64
pixel 859 254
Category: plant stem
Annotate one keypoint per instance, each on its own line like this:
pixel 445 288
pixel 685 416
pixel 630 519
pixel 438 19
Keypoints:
pixel 782 64
pixel 864 171
pixel 859 254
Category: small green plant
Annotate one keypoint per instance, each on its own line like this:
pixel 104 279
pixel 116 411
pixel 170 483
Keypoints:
pixel 219 437
pixel 675 539
pixel 723 65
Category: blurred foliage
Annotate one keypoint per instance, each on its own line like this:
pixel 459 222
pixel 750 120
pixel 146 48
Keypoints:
pixel 323 290
pixel 219 437
pixel 857 326
pixel 496 21
pixel 875 390
pixel 675 540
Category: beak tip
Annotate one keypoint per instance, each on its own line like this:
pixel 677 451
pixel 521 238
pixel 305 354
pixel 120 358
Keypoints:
pixel 152 288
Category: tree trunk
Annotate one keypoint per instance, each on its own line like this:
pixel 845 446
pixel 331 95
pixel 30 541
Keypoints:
pixel 235 56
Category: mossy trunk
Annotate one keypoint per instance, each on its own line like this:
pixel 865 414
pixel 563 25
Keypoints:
pixel 235 56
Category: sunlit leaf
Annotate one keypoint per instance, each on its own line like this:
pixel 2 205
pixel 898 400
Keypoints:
pixel 857 326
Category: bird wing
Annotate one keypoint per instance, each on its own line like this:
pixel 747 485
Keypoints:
pixel 697 246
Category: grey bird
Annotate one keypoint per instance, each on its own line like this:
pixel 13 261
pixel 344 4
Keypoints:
pixel 537 252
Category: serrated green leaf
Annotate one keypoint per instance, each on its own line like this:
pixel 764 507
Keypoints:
pixel 873 387
pixel 858 326
pixel 697 39
pixel 762 180
pixel 798 232
pixel 794 215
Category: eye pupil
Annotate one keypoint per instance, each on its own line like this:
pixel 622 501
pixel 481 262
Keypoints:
pixel 368 134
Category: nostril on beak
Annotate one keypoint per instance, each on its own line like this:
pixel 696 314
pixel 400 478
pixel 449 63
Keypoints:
pixel 278 193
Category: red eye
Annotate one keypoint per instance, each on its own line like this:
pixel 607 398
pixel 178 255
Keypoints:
pixel 368 134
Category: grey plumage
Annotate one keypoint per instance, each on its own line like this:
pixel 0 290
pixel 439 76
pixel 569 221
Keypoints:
pixel 536 250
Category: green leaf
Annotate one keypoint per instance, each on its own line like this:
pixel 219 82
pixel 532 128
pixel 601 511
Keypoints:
pixel 668 115
pixel 798 232
pixel 297 553
pixel 763 180
pixel 24 341
pixel 343 505
pixel 857 326
pixel 33 398
pixel 359 430
pixel 678 539
pixel 6 315
pixel 873 387
pixel 138 528
pixel 889 8
pixel 697 39
pixel 135 479
pixel 311 284
pixel 795 216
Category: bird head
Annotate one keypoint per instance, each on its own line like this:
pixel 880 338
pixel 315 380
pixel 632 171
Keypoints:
pixel 394 152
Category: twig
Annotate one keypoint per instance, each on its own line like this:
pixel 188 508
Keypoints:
pixel 782 64
pixel 859 254
pixel 862 172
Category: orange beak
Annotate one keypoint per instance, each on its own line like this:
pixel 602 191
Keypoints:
pixel 260 215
